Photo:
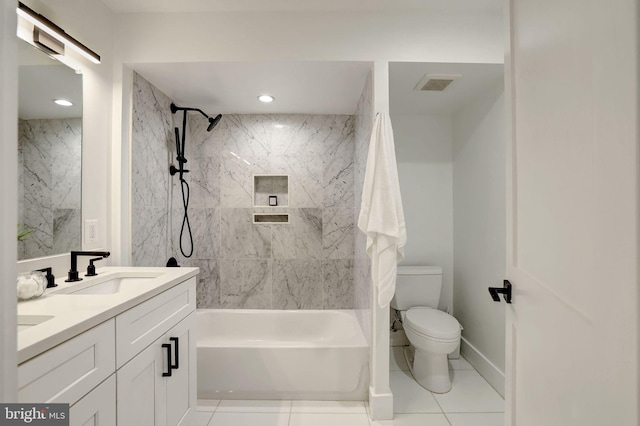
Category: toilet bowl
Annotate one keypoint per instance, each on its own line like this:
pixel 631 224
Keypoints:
pixel 432 334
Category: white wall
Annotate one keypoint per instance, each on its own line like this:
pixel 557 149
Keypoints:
pixel 424 156
pixel 479 224
pixel 8 211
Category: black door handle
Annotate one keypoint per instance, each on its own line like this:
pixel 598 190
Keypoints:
pixel 177 364
pixel 505 290
pixel 167 346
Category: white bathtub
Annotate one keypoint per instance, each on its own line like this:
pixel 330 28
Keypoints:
pixel 260 354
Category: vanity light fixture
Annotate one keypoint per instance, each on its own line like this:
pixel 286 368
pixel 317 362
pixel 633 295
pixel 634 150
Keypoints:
pixel 43 24
pixel 63 102
pixel 266 98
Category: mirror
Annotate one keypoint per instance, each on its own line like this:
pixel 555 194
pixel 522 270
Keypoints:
pixel 49 155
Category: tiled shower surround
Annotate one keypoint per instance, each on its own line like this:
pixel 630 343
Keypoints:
pixel 305 264
pixel 49 167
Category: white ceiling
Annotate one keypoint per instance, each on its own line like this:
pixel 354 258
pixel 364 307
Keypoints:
pixel 233 87
pixel 404 76
pixel 300 5
pixel 313 87
pixel 42 79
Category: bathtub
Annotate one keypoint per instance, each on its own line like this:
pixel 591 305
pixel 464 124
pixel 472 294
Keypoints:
pixel 262 354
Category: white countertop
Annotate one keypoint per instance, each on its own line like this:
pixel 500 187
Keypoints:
pixel 76 313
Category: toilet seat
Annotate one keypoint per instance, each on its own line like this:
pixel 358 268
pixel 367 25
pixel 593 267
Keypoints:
pixel 432 323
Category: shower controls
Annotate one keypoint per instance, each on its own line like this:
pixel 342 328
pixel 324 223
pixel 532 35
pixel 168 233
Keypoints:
pixel 180 170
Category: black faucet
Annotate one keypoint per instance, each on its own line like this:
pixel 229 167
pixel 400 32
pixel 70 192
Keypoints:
pixel 73 272
pixel 49 276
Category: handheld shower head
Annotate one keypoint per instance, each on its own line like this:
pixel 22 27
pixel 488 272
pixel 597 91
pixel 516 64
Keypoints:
pixel 213 122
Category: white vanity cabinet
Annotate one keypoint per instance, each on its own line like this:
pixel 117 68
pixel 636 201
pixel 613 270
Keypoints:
pixel 137 368
pixel 157 386
pixel 150 392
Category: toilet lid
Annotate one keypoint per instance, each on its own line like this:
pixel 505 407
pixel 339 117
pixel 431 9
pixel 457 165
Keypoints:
pixel 433 323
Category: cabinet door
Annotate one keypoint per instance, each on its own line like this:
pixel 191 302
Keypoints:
pixel 97 408
pixel 181 386
pixel 141 389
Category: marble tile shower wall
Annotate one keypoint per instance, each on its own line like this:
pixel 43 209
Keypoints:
pixel 49 155
pixel 362 263
pixel 151 154
pixel 306 264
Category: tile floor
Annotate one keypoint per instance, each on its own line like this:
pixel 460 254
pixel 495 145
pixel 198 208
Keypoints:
pixel 471 402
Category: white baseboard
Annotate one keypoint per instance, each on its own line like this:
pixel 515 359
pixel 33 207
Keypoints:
pixel 486 368
pixel 380 405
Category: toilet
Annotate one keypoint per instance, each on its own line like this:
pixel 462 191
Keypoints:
pixel 433 334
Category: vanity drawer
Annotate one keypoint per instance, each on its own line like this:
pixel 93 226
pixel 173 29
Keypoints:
pixel 70 370
pixel 140 326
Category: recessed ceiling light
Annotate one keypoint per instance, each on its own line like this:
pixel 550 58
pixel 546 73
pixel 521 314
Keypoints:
pixel 266 98
pixel 63 102
pixel 279 126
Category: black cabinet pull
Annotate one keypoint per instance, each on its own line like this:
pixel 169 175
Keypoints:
pixel 177 364
pixel 167 346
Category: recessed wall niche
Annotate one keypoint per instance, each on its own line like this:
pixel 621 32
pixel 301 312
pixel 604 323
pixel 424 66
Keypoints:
pixel 270 190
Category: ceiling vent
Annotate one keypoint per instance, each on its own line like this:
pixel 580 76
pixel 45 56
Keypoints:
pixel 436 82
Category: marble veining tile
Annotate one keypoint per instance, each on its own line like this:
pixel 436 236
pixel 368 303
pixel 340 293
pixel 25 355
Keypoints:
pixel 152 138
pixel 40 242
pixel 338 233
pixel 301 238
pixel 245 284
pixel 66 161
pixel 337 284
pixel 299 150
pixel 66 230
pixel 297 284
pixel 38 217
pixel 149 236
pixel 201 143
pixel 204 181
pixel 208 285
pixel 241 239
pixel 245 152
pixel 338 180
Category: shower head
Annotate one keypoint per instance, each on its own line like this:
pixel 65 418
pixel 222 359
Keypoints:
pixel 213 122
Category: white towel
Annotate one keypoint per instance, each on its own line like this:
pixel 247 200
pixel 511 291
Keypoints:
pixel 381 214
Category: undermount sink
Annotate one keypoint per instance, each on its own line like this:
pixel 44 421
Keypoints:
pixel 109 286
pixel 25 322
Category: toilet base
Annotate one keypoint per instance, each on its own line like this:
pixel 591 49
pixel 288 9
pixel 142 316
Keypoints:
pixel 431 370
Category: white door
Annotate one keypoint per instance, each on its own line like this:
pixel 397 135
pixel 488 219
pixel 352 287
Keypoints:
pixel 572 330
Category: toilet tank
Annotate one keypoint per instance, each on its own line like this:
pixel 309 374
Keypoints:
pixel 417 286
